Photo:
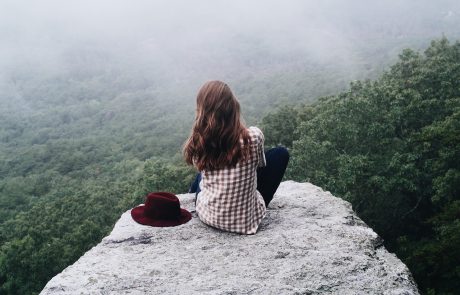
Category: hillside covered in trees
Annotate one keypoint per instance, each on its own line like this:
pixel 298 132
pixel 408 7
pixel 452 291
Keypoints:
pixel 392 148
pixel 389 146
pixel 97 98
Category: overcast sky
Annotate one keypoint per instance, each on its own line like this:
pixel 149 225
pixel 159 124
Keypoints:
pixel 47 36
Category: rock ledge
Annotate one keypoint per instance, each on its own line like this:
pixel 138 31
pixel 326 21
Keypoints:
pixel 310 242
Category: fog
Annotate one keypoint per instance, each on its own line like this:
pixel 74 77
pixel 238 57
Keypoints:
pixel 187 42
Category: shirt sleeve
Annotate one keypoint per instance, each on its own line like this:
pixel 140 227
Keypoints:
pixel 260 147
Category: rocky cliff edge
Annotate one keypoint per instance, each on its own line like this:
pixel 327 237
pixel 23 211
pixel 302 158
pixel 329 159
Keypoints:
pixel 310 242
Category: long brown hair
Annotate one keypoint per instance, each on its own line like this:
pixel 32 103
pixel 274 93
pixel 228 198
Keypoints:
pixel 215 139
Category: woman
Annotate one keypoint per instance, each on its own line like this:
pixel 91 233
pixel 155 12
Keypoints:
pixel 237 180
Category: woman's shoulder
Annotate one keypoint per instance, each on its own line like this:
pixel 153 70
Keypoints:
pixel 256 133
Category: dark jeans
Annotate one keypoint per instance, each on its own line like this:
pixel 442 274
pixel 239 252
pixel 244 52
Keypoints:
pixel 268 177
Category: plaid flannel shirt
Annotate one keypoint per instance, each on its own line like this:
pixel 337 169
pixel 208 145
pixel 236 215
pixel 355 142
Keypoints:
pixel 229 199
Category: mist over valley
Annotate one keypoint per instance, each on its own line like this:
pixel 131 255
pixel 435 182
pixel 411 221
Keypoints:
pixel 98 97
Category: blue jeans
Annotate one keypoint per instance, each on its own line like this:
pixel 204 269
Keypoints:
pixel 268 177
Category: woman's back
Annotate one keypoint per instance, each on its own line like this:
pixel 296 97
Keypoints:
pixel 229 199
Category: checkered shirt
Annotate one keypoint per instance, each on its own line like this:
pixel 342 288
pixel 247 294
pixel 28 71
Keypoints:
pixel 229 199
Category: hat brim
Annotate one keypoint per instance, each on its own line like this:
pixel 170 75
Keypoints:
pixel 137 213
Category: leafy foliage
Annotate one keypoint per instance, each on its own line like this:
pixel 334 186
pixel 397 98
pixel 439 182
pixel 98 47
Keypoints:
pixel 80 148
pixel 392 148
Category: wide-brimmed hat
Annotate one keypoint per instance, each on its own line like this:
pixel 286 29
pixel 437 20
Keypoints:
pixel 161 209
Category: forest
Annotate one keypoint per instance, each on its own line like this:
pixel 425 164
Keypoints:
pixel 95 107
pixel 390 146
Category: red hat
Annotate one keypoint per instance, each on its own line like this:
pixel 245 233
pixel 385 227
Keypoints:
pixel 161 209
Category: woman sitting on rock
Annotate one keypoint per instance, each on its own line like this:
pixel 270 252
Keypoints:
pixel 237 180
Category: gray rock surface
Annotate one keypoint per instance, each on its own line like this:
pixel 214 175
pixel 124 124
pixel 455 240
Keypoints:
pixel 310 242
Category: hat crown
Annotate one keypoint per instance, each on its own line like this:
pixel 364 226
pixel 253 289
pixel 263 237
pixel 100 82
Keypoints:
pixel 162 206
pixel 161 209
